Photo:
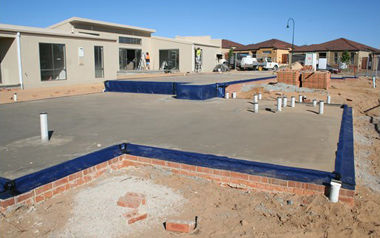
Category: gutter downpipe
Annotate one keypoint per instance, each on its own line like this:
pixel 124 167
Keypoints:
pixel 192 58
pixel 19 60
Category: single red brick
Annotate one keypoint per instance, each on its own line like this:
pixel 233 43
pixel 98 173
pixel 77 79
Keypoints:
pixel 24 196
pixel 131 157
pixel 145 160
pixel 127 163
pixel 137 218
pixel 158 162
pixel 222 172
pixel 278 182
pixel 347 193
pixel 130 214
pixel 131 200
pixel 100 172
pixel 315 187
pixel 87 178
pixel 187 173
pixel 348 200
pixel 60 189
pixel 7 202
pixel 204 170
pixel 239 175
pixel 188 167
pixel 173 165
pixel 43 188
pixel 61 181
pixel 259 179
pixel 294 184
pixel 180 226
pixel 39 198
pixel 89 170
pixel 101 166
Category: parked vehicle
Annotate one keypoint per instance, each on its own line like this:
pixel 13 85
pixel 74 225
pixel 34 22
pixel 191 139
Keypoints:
pixel 248 62
pixel 266 63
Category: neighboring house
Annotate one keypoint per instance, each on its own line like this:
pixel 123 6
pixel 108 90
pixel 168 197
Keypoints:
pixel 79 51
pixel 274 49
pixel 361 56
pixel 227 45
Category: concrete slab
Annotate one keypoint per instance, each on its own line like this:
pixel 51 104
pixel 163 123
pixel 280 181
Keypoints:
pixel 295 137
pixel 208 78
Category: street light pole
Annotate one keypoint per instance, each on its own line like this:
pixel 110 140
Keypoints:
pixel 287 26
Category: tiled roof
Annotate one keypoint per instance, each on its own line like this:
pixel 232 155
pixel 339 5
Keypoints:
pixel 227 44
pixel 272 43
pixel 340 44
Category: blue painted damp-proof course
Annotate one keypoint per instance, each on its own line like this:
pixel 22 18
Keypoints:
pixel 344 164
pixel 181 90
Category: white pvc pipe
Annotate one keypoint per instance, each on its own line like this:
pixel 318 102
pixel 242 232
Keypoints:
pixel 300 98
pixel 15 97
pixel 328 99
pixel 234 95
pixel 44 127
pixel 334 191
pixel 19 60
pixel 255 107
pixel 279 104
pixel 260 96
pixel 255 98
pixel 314 102
pixel 321 107
pixel 293 101
pixel 374 81
pixel 227 96
pixel 284 102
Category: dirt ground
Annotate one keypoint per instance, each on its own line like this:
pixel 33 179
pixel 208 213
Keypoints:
pixel 228 212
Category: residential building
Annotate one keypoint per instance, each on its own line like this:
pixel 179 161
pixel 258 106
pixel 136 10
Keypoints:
pixel 361 56
pixel 276 50
pixel 80 51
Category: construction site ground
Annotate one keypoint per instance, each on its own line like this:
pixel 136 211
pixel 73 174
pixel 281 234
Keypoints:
pixel 221 211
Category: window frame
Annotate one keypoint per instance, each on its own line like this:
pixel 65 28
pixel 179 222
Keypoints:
pixel 52 57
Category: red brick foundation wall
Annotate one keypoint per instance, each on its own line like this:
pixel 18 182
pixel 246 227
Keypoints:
pixel 222 177
pixel 291 77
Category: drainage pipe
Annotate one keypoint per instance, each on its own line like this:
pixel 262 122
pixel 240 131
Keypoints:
pixel 321 107
pixel 255 107
pixel 44 127
pixel 15 97
pixel 374 81
pixel 328 99
pixel 300 98
pixel 227 95
pixel 279 104
pixel 255 98
pixel 314 102
pixel 260 96
pixel 293 101
pixel 18 36
pixel 284 102
pixel 334 190
pixel 234 95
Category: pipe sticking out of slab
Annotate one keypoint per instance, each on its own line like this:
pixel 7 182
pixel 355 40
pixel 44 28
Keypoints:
pixel 293 101
pixel 321 107
pixel 279 102
pixel 44 127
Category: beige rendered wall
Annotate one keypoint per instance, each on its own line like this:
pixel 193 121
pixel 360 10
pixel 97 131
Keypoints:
pixel 185 49
pixel 8 62
pixel 209 59
pixel 279 53
pixel 77 72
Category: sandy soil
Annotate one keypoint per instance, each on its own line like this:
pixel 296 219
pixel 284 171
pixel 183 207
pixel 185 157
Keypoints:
pixel 7 95
pixel 229 212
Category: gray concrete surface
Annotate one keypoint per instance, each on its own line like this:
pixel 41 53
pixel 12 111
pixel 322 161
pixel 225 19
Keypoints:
pixel 82 124
pixel 208 78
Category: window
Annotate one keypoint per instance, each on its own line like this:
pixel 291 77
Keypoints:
pixel 129 59
pixel 352 58
pixel 267 52
pixel 99 66
pixel 52 62
pixel 322 55
pixel 169 59
pixel 129 40
pixel 336 57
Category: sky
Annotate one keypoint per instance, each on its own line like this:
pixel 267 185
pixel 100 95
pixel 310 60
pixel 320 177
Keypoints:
pixel 242 21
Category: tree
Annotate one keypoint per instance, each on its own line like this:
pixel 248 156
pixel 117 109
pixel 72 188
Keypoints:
pixel 345 57
pixel 230 53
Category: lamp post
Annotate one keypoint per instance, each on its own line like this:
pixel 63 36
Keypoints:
pixel 287 26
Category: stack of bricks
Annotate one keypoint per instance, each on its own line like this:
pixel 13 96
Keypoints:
pixel 318 80
pixel 290 77
pixel 180 226
pixel 134 202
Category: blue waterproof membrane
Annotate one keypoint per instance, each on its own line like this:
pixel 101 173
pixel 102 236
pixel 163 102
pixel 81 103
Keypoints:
pixel 196 92
pixel 344 162
pixel 182 90
pixel 28 182
pixel 226 163
pixel 140 87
